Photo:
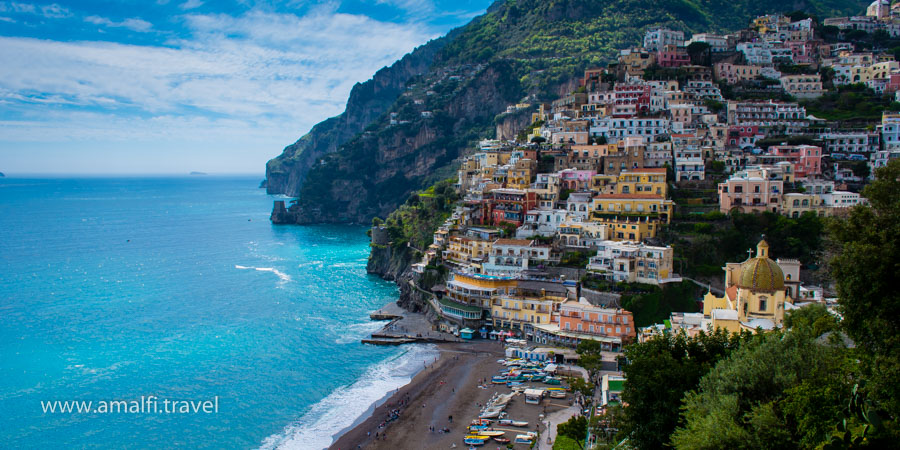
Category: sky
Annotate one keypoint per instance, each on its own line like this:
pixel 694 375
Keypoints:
pixel 173 86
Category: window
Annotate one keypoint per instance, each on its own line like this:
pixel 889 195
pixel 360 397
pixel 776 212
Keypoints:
pixel 762 304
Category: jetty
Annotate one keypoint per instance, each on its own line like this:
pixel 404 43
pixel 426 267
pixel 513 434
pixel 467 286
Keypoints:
pixel 405 327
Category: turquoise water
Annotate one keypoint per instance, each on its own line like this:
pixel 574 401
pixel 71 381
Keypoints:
pixel 180 288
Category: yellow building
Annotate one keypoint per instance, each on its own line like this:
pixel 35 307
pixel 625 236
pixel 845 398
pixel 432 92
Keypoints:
pixel 465 250
pixel 632 217
pixel 755 295
pixel 514 312
pixel 643 181
pixel 795 204
pixel 519 177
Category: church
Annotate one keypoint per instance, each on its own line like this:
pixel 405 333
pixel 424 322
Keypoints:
pixel 757 292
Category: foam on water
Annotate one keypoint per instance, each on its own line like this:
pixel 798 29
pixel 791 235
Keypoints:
pixel 319 427
pixel 281 275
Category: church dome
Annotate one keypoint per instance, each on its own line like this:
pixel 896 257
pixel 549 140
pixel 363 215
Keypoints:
pixel 761 273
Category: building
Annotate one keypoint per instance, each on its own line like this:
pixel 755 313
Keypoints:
pixel 754 189
pixel 796 204
pixel 841 199
pixel 660 37
pixel 803 86
pixel 465 250
pixel 631 262
pixel 532 303
pixel 736 73
pixel 755 294
pixel 509 257
pixel 717 42
pixel 689 164
pixel 579 321
pixel 670 56
pixel 632 217
pixel 850 142
pixel 509 206
pixel 807 159
pixel 788 117
pixel 469 296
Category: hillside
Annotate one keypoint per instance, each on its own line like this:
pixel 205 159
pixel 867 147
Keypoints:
pixel 405 128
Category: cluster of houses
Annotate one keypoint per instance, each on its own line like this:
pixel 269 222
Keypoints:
pixel 596 172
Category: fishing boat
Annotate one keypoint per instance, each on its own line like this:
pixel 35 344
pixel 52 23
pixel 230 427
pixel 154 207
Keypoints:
pixel 558 394
pixel 552 381
pixel 498 380
pixel 502 440
pixel 524 439
pixel 491 433
pixel 474 440
pixel 518 423
pixel 478 428
pixel 489 414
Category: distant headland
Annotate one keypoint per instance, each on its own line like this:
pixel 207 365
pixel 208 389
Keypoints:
pixel 198 173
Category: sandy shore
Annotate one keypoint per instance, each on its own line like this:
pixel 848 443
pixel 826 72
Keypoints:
pixel 450 387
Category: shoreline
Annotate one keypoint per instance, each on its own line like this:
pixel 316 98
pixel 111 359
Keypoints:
pixel 377 405
pixel 457 363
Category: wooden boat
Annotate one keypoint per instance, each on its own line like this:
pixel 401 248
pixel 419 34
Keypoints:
pixel 502 440
pixel 477 427
pixel 473 440
pixel 498 380
pixel 518 423
pixel 524 439
pixel 491 433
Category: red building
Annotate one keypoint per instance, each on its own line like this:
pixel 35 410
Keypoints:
pixel 633 94
pixel 744 135
pixel 509 205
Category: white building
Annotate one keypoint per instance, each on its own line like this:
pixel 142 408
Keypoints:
pixel 509 257
pixel 689 164
pixel 841 199
pixel 660 37
pixel 717 43
pixel 850 142
pixel 632 262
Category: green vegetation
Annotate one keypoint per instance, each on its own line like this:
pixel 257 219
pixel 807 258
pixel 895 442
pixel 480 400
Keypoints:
pixel 656 304
pixel 703 250
pixel 660 372
pixel 415 222
pixel 574 429
pixel 853 103
pixel 866 268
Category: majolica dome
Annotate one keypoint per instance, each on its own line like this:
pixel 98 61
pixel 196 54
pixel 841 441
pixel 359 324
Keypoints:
pixel 761 273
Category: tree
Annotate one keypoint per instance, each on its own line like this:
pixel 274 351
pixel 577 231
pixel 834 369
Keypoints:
pixel 700 53
pixel 659 372
pixel 866 269
pixel 778 390
pixel 590 356
pixel 575 429
pixel 538 140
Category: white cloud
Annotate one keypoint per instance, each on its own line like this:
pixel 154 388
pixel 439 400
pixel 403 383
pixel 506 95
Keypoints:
pixel 260 74
pixel 191 4
pixel 132 23
pixel 13 7
pixel 55 11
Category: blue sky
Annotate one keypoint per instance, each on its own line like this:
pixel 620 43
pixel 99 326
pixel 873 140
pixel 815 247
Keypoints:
pixel 172 86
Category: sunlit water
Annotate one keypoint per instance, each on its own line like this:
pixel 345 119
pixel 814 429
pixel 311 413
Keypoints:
pixel 180 288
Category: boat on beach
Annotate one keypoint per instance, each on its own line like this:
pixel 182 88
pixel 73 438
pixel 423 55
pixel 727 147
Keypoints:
pixel 491 433
pixel 475 440
pixel 502 440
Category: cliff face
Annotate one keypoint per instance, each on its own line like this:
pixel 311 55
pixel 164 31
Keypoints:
pixel 376 171
pixel 367 101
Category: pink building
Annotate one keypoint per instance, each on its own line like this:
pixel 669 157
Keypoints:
pixel 756 189
pixel 807 159
pixel 804 52
pixel 586 321
pixel 673 56
pixel 576 180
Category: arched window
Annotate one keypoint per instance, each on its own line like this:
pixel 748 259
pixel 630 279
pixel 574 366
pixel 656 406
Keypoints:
pixel 762 304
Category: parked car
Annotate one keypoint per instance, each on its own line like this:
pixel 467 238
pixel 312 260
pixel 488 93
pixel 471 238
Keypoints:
pixel 837 156
pixel 856 157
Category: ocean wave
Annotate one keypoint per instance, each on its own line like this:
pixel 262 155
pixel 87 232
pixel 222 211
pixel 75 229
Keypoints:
pixel 344 407
pixel 355 332
pixel 281 275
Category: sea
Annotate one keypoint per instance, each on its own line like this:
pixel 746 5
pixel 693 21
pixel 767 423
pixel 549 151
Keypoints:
pixel 179 289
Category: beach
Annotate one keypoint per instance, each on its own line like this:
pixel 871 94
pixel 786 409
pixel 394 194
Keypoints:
pixel 455 385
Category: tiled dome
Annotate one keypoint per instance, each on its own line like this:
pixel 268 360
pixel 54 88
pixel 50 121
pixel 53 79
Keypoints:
pixel 761 273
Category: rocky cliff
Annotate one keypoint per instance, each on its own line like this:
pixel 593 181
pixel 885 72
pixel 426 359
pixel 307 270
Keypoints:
pixel 367 101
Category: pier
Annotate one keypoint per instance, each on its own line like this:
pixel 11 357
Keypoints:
pixel 405 327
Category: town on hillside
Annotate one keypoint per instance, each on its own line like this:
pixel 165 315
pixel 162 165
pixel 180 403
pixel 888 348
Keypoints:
pixel 582 227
